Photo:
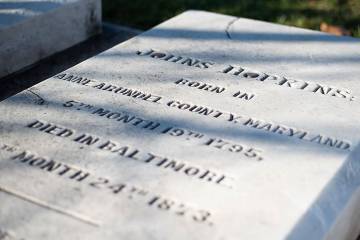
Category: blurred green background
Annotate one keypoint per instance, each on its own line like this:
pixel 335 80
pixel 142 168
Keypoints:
pixel 144 14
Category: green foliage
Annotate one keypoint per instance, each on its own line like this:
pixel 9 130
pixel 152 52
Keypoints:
pixel 144 14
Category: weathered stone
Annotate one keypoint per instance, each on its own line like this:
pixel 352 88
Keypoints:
pixel 33 30
pixel 110 36
pixel 205 127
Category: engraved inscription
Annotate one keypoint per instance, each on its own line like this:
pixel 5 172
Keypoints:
pixel 246 73
pixel 194 108
pixel 251 122
pixel 131 153
pixel 128 191
pixel 243 95
pixel 233 147
pixel 200 85
pixel 8 148
pixel 212 88
pixel 122 117
pixel 186 61
pixel 321 89
pixel 110 88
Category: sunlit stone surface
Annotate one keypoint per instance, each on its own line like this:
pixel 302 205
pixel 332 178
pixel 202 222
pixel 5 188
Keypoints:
pixel 33 30
pixel 205 127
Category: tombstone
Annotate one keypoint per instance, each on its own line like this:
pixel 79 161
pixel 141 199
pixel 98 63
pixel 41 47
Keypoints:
pixel 33 30
pixel 205 127
pixel 110 36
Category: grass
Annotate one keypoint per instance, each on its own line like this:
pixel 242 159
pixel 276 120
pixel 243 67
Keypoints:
pixel 144 14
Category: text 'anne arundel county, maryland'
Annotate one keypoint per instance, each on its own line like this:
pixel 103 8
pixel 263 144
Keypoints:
pixel 246 73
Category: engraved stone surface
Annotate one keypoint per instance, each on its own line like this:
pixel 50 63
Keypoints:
pixel 33 30
pixel 205 127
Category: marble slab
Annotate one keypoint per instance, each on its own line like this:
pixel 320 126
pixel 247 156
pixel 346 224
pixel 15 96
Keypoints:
pixel 205 127
pixel 33 30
